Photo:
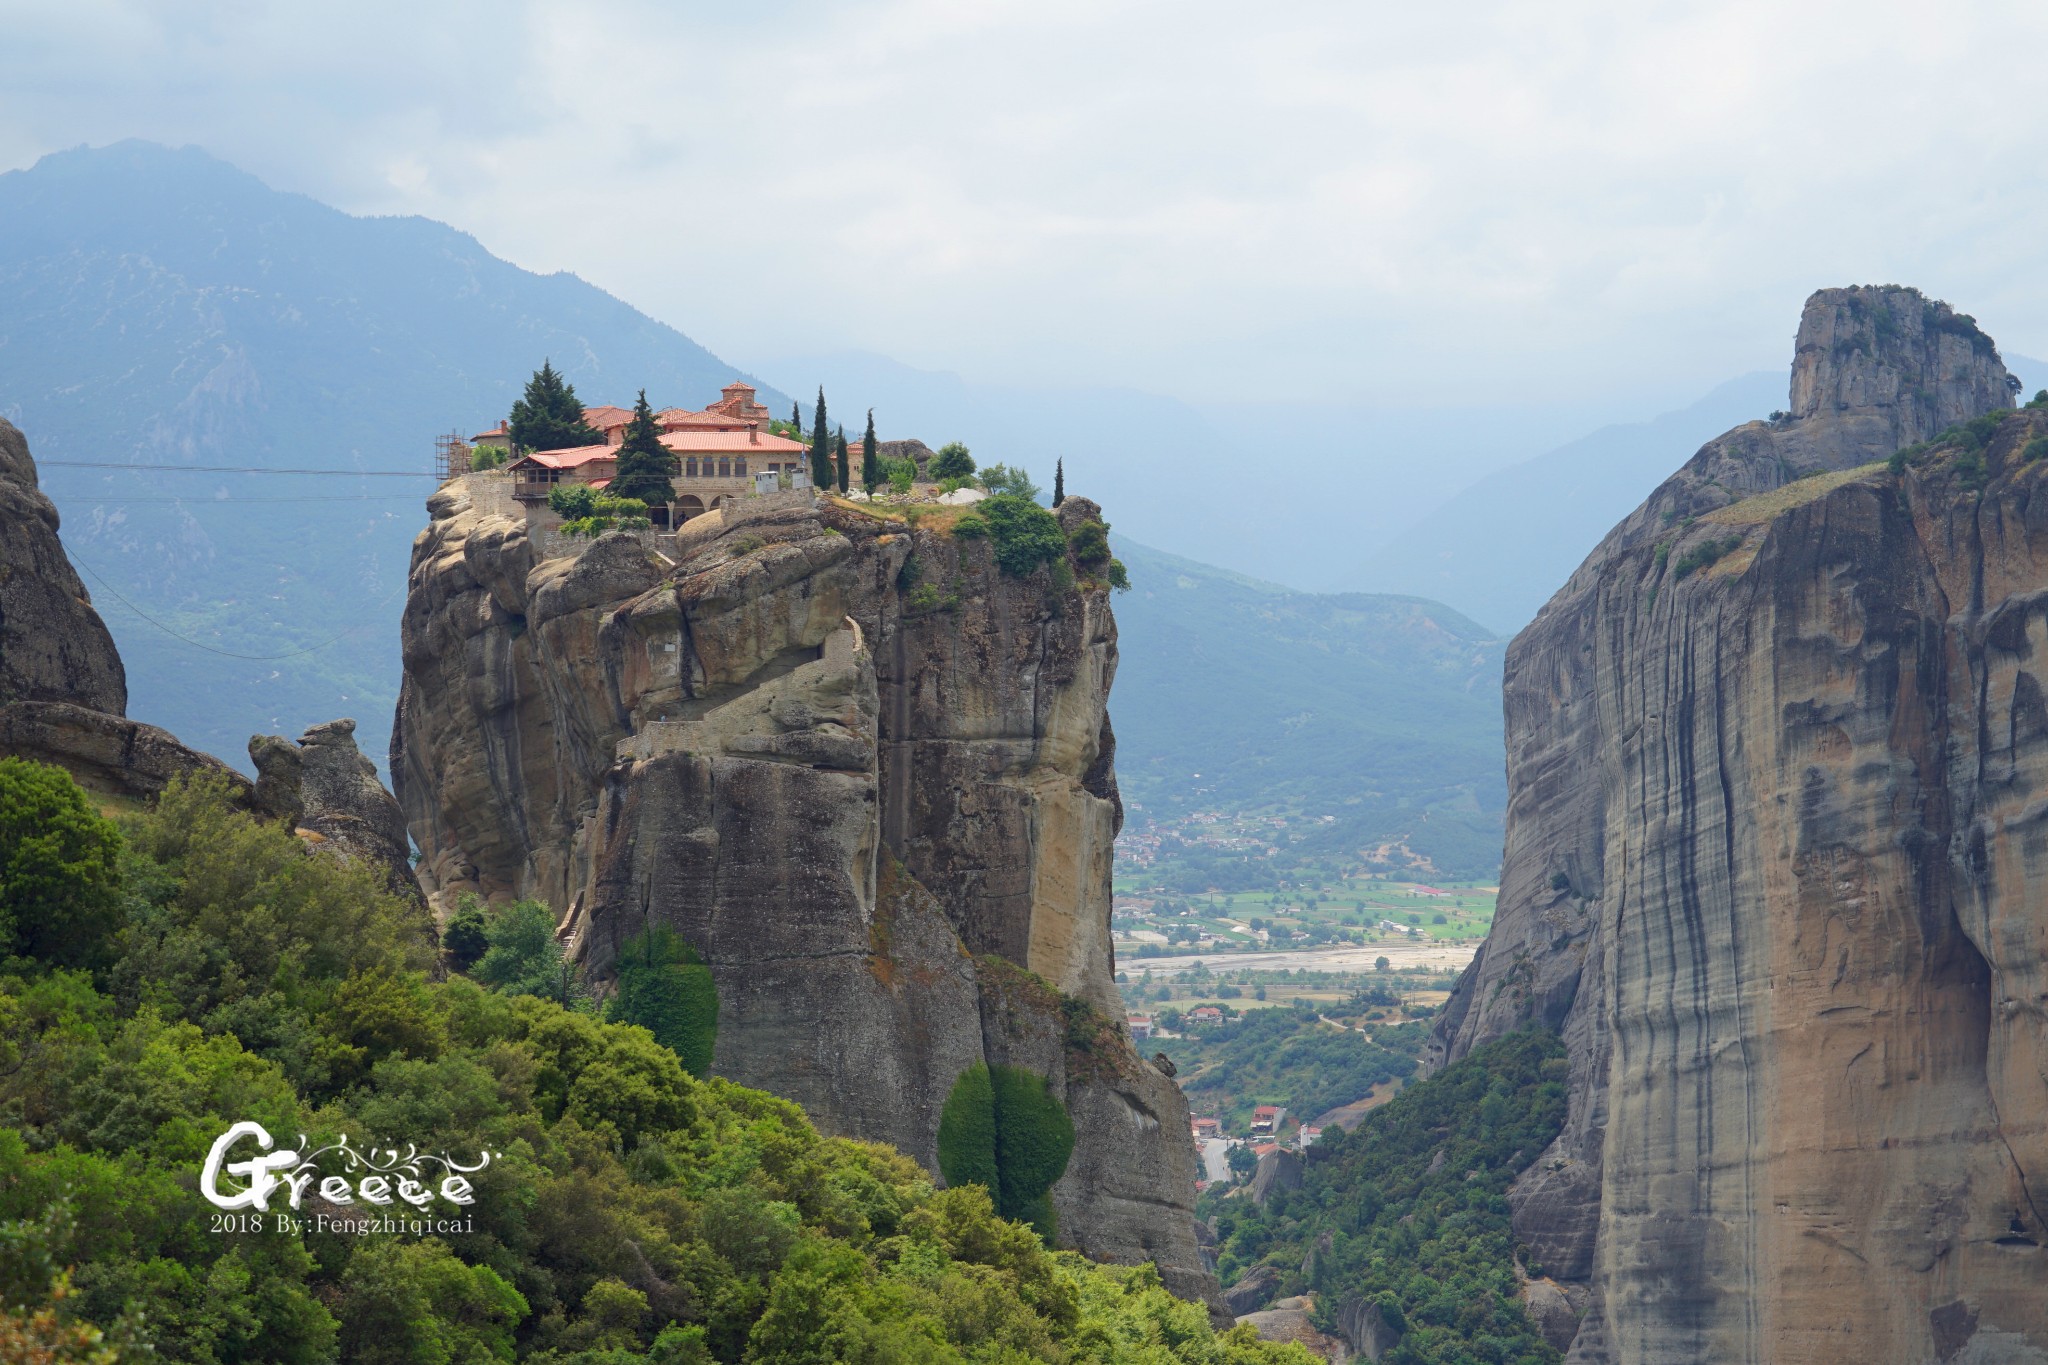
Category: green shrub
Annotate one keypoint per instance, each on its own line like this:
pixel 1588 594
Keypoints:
pixel 486 457
pixel 665 988
pixel 952 462
pixel 525 957
pixel 970 526
pixel 467 936
pixel 1003 1128
pixel 1090 543
pixel 2035 449
pixel 1119 576
pixel 1025 534
pixel 1706 554
pixel 2039 400
pixel 1001 478
pixel 58 867
pixel 1971 471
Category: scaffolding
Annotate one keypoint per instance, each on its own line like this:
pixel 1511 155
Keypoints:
pixel 451 456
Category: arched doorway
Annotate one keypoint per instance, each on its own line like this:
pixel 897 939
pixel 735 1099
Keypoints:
pixel 687 506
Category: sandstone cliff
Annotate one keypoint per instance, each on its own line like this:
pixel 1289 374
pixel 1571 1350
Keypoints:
pixel 867 776
pixel 53 645
pixel 1776 837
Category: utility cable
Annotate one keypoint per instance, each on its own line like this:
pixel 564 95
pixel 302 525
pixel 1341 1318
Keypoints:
pixel 240 469
pixel 211 649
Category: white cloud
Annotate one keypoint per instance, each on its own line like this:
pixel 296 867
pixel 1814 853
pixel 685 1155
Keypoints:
pixel 1390 200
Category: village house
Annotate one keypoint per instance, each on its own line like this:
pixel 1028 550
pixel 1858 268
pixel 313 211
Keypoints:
pixel 1267 1118
pixel 718 455
pixel 1207 1127
pixel 1140 1025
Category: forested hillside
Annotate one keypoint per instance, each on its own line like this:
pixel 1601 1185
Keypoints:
pixel 192 968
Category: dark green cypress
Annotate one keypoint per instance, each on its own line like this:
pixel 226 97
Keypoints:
pixel 1059 482
pixel 796 418
pixel 821 447
pixel 871 476
pixel 644 463
pixel 845 469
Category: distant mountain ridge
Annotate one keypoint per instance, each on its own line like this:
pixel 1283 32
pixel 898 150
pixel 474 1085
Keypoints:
pixel 1379 711
pixel 159 306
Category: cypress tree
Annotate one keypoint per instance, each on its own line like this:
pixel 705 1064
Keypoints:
pixel 871 476
pixel 1059 482
pixel 844 468
pixel 821 447
pixel 644 463
pixel 796 419
pixel 549 416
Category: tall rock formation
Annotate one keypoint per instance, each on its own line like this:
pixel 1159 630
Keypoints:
pixel 53 645
pixel 1776 840
pixel 867 776
pixel 63 691
pixel 330 794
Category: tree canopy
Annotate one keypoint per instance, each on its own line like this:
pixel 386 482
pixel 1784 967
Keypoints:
pixel 644 463
pixel 549 416
pixel 631 1212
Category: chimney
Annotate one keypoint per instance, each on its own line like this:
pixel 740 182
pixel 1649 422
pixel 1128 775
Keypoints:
pixel 753 433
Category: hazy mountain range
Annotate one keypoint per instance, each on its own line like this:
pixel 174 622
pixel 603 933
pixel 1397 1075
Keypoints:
pixel 161 308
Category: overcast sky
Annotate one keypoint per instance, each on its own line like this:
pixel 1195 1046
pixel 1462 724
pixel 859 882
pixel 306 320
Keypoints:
pixel 1403 203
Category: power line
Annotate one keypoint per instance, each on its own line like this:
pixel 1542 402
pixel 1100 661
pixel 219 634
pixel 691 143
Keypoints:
pixel 238 502
pixel 210 649
pixel 240 469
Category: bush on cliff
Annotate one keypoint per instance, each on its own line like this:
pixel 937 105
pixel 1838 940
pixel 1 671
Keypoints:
pixel 952 462
pixel 629 1211
pixel 666 989
pixel 1025 535
pixel 1004 1129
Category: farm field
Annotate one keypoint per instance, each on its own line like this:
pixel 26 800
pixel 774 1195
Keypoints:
pixel 1422 920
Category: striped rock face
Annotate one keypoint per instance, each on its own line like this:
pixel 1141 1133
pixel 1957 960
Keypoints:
pixel 1776 842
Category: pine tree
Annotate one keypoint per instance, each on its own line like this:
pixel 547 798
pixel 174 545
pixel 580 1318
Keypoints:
pixel 844 468
pixel 644 463
pixel 1059 482
pixel 821 448
pixel 871 476
pixel 548 416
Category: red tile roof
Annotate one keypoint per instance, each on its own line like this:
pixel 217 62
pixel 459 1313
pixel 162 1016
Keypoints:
pixel 574 457
pixel 731 443
pixel 606 417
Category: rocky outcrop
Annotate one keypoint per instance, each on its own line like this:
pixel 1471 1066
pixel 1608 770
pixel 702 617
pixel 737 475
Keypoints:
pixel 1778 777
pixel 864 774
pixel 1293 1320
pixel 53 645
pixel 107 754
pixel 329 792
